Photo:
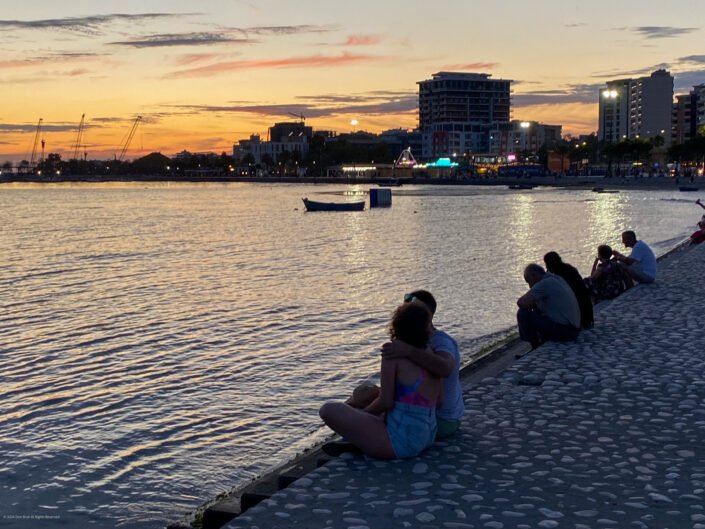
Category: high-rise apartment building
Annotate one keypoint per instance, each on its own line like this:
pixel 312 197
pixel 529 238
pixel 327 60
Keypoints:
pixel 637 108
pixel 688 114
pixel 458 112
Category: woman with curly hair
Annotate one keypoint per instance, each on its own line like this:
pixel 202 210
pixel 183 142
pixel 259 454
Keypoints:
pixel 401 421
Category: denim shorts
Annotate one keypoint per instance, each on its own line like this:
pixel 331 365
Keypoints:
pixel 411 429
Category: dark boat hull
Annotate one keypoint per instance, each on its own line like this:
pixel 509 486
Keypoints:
pixel 684 188
pixel 312 205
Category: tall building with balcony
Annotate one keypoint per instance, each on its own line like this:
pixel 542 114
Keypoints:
pixel 458 112
pixel 636 108
pixel 688 115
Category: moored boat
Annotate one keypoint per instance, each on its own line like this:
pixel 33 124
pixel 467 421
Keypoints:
pixel 394 182
pixel 313 205
pixel 687 188
pixel 521 186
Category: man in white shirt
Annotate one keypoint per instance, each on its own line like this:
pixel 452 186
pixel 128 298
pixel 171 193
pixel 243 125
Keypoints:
pixel 641 262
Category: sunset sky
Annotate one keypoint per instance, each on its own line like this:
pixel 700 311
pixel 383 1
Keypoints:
pixel 205 74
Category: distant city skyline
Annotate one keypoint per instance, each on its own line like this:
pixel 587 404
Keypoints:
pixel 204 75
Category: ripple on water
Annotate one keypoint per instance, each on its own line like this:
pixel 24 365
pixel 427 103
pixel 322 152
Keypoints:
pixel 161 343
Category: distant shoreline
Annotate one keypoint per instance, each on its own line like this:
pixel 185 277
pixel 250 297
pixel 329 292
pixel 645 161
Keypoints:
pixel 582 182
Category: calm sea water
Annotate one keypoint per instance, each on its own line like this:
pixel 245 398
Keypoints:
pixel 160 344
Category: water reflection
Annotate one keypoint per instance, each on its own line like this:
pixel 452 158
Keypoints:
pixel 608 219
pixel 160 344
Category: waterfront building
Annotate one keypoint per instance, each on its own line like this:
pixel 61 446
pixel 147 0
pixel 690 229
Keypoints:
pixel 688 114
pixel 636 108
pixel 458 113
pixel 400 139
pixel 524 137
pixel 292 143
pixel 288 132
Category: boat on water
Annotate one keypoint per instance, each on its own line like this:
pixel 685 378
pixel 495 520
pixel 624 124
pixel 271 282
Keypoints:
pixel 686 188
pixel 313 205
pixel 521 186
pixel 603 190
pixel 394 182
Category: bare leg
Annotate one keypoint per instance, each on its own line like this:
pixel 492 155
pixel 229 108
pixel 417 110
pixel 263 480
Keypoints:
pixel 366 431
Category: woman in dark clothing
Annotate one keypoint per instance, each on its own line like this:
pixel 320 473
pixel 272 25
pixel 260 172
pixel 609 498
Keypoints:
pixel 555 265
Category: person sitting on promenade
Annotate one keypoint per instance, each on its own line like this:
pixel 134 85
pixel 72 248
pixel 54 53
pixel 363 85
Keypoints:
pixel 442 359
pixel 549 310
pixel 608 278
pixel 570 274
pixel 698 235
pixel 401 421
pixel 641 262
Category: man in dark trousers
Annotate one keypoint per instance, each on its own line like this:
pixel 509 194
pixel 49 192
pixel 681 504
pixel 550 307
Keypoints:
pixel 549 310
pixel 570 274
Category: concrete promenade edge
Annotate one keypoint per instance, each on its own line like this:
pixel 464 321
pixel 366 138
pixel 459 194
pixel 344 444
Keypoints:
pixel 603 432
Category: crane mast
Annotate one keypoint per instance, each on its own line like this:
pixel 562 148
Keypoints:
pixel 129 138
pixel 79 137
pixel 36 143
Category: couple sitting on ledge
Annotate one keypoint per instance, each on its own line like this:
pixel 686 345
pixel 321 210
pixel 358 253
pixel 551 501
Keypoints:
pixel 419 398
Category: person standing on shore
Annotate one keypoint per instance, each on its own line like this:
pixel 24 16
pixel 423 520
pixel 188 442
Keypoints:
pixel 549 310
pixel 641 262
pixel 442 359
pixel 570 274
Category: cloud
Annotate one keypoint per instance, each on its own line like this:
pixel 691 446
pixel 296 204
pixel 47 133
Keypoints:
pixel 639 72
pixel 469 66
pixel 312 61
pixel 660 32
pixel 575 93
pixel 184 39
pixel 362 40
pixel 32 127
pixel 575 25
pixel 359 98
pixel 194 58
pixel 685 80
pixel 90 25
pixel 320 106
pixel 49 59
pixel 286 30
pixel 697 59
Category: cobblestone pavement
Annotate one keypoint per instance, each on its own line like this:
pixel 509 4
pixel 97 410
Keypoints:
pixel 606 432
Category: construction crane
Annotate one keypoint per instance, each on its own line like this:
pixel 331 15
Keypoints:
pixel 129 138
pixel 79 137
pixel 36 143
pixel 300 116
